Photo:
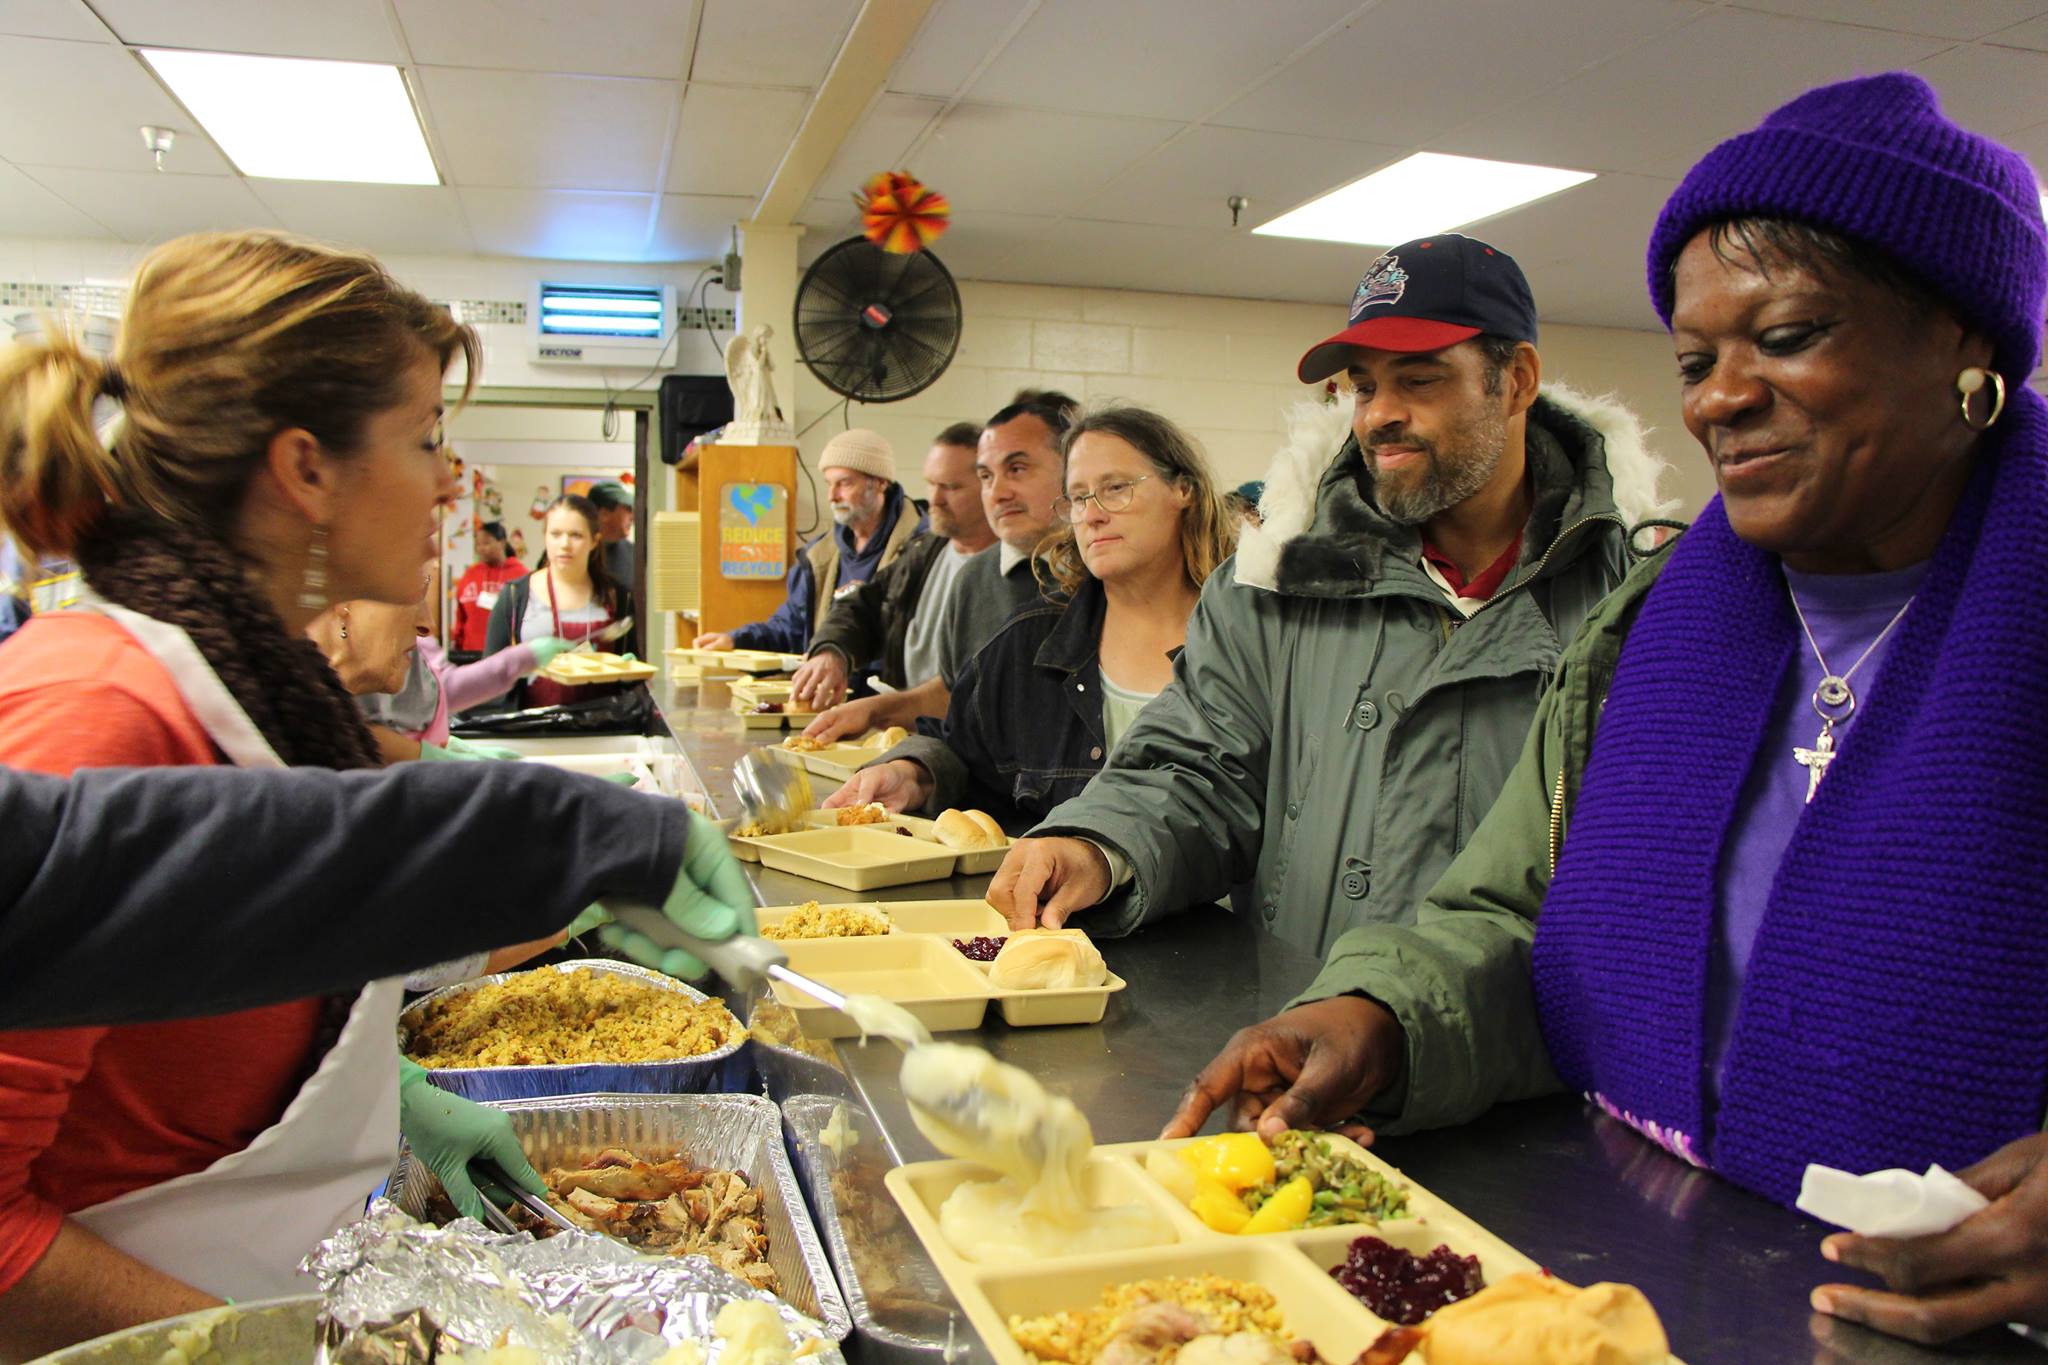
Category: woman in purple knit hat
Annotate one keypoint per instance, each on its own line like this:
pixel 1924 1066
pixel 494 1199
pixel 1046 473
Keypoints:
pixel 1784 812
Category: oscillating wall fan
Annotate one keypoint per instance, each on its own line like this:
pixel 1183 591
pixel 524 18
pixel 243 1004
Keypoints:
pixel 875 326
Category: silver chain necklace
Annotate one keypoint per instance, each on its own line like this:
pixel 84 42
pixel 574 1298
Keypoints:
pixel 1833 700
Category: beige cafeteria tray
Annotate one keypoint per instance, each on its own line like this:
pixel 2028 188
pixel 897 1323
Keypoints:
pixel 1294 1266
pixel 747 694
pixel 945 920
pixel 925 975
pixel 856 859
pixel 974 862
pixel 578 668
pixel 741 660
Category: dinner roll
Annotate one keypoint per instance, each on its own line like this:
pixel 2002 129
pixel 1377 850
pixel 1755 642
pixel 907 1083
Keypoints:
pixel 959 829
pixel 1047 960
pixel 886 739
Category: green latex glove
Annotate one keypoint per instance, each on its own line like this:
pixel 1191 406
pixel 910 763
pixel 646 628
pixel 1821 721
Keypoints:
pixel 547 647
pixel 447 1132
pixel 493 753
pixel 590 919
pixel 620 779
pixel 711 899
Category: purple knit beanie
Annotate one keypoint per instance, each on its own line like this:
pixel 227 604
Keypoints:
pixel 1876 160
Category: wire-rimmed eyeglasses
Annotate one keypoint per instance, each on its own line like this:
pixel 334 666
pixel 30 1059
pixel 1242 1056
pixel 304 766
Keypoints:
pixel 1114 496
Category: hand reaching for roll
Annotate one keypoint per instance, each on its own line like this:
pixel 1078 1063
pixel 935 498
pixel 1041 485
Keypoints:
pixel 1043 881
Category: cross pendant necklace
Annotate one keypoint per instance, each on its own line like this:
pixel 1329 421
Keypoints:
pixel 1834 701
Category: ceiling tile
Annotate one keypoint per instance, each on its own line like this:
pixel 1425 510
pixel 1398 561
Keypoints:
pixel 29 210
pixel 696 227
pixel 956 36
pixel 80 104
pixel 514 130
pixel 1341 87
pixel 594 37
pixel 51 19
pixel 1583 249
pixel 339 30
pixel 1666 104
pixel 1187 182
pixel 732 137
pixel 878 142
pixel 791 42
pixel 559 224
pixel 1940 18
pixel 143 206
pixel 1995 90
pixel 991 159
pixel 1173 59
pixel 423 219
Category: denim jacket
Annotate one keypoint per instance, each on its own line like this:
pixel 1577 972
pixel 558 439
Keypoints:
pixel 1024 730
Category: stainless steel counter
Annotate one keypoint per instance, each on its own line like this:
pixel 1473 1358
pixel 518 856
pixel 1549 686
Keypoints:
pixel 1728 1272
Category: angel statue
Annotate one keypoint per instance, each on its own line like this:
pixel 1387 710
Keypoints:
pixel 756 420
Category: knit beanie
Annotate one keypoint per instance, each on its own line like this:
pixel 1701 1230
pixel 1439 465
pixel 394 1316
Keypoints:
pixel 1876 160
pixel 862 451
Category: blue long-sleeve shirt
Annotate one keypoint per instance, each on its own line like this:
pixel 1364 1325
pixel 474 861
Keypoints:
pixel 788 631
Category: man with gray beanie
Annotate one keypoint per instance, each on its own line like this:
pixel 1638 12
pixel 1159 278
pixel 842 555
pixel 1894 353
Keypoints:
pixel 873 519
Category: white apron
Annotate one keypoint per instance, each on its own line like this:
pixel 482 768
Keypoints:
pixel 239 1228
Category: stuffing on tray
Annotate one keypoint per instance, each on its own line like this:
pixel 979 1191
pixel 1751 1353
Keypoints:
pixel 1195 1320
pixel 812 920
pixel 751 830
pixel 554 1018
pixel 873 813
pixel 665 1207
pixel 800 744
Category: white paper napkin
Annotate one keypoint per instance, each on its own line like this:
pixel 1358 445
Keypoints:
pixel 1888 1203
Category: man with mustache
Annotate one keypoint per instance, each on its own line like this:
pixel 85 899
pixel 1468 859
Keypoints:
pixel 1358 681
pixel 872 520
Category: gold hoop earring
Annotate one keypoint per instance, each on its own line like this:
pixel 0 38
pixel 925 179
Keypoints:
pixel 1969 382
pixel 313 586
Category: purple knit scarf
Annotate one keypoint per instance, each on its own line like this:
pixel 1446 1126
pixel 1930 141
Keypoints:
pixel 1895 1008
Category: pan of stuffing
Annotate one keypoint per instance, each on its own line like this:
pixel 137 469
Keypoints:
pixel 574 1028
pixel 669 1175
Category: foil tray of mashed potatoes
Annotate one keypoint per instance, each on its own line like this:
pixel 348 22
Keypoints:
pixel 722 1132
pixel 719 1067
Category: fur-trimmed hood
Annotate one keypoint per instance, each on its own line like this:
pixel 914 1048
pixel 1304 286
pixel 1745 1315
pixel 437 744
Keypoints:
pixel 1313 485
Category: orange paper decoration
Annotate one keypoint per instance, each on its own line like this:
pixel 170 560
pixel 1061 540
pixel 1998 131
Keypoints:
pixel 900 215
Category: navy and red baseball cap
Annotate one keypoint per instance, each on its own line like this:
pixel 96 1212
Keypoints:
pixel 1425 295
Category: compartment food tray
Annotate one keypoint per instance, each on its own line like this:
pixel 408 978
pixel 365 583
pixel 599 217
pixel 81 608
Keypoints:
pixel 854 858
pixel 722 1069
pixel 575 668
pixel 741 660
pixel 943 921
pixel 725 1132
pixel 972 862
pixel 1294 1266
pixel 923 974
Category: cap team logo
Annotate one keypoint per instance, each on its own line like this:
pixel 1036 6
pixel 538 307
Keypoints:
pixel 1384 283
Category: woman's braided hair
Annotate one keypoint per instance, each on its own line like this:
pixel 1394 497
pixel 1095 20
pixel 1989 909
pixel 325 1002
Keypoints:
pixel 228 339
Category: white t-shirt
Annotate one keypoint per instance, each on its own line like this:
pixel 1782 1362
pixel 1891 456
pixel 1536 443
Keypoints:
pixel 921 642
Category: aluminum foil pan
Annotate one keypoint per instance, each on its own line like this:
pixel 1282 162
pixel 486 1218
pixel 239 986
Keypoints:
pixel 899 1303
pixel 268 1332
pixel 730 1132
pixel 396 1291
pixel 724 1069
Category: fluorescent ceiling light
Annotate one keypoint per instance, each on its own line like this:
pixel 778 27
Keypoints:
pixel 1428 192
pixel 287 118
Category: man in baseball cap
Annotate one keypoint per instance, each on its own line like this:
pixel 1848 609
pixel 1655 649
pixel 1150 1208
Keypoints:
pixel 1358 681
pixel 872 520
pixel 614 503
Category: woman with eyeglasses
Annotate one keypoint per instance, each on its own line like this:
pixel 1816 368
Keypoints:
pixel 1037 711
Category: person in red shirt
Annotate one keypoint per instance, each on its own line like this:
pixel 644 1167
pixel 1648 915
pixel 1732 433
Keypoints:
pixel 476 592
pixel 276 445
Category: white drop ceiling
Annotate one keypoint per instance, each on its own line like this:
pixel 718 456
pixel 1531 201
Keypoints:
pixel 1082 142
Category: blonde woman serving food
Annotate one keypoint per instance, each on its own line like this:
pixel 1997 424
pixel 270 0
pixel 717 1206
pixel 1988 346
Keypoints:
pixel 277 448
pixel 1141 528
